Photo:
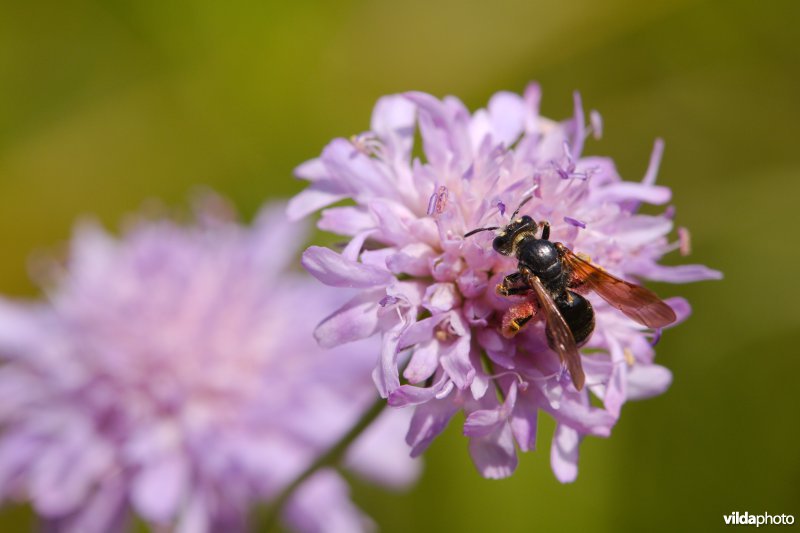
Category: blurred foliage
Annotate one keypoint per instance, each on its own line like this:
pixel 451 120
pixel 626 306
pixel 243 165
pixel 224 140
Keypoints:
pixel 104 105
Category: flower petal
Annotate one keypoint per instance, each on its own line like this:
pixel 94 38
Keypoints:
pixel 419 331
pixel 313 198
pixel 655 162
pixel 393 221
pixel 443 127
pixel 494 454
pixel 275 240
pixel 381 455
pixel 393 120
pixel 681 273
pixel 622 191
pixel 456 362
pixel 441 297
pixel 322 504
pixel 312 170
pixel 346 220
pixel 413 395
pixel 386 375
pixel 158 489
pixel 482 422
pixel 681 307
pixel 616 388
pixel 639 230
pixel 357 319
pixel 646 381
pixel 355 172
pixel 412 259
pixel 506 114
pixel 105 510
pixel 578 125
pixel 532 98
pixel 524 421
pixel 564 454
pixel 428 421
pixel 333 269
pixel 194 517
pixel 21 325
pixel 585 418
pixel 424 362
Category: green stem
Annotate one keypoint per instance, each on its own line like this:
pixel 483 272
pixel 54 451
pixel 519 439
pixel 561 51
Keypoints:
pixel 330 458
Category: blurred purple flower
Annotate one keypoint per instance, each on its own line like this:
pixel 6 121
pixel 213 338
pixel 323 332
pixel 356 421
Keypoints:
pixel 429 292
pixel 173 373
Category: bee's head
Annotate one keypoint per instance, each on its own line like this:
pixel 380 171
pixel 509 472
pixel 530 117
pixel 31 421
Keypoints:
pixel 506 241
pixel 510 235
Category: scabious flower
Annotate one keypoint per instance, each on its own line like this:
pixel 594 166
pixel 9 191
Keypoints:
pixel 429 293
pixel 173 373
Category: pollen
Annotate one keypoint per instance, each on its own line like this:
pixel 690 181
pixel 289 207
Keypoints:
pixel 629 358
pixel 516 317
pixel 368 144
pixel 438 201
pixel 685 241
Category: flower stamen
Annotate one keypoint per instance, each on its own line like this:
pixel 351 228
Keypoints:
pixel 629 358
pixel 575 222
pixel 684 241
pixel 369 144
pixel 438 201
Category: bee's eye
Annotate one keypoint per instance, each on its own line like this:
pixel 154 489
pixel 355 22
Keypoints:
pixel 498 243
pixel 502 244
pixel 526 219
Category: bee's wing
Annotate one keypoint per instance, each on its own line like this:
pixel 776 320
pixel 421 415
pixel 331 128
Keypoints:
pixel 562 336
pixel 636 302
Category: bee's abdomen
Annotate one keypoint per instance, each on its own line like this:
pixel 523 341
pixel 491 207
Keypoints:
pixel 578 314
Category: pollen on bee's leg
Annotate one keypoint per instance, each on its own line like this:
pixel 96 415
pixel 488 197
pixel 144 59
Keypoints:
pixel 516 317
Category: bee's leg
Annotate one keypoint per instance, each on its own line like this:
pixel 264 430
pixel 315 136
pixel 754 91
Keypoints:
pixel 516 317
pixel 545 230
pixel 513 284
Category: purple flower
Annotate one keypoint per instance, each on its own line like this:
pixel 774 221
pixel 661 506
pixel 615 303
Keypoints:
pixel 429 292
pixel 173 373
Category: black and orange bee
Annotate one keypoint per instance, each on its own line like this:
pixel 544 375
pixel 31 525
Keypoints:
pixel 556 277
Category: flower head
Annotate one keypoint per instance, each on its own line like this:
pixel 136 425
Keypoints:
pixel 430 293
pixel 173 373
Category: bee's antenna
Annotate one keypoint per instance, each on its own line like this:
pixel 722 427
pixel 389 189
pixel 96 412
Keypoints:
pixel 473 232
pixel 523 202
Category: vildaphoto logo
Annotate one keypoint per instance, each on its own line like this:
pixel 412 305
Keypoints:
pixel 747 519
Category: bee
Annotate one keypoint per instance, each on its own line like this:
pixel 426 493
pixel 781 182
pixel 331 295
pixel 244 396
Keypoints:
pixel 554 279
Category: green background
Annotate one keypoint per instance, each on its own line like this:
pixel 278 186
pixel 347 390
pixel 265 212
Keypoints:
pixel 104 105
